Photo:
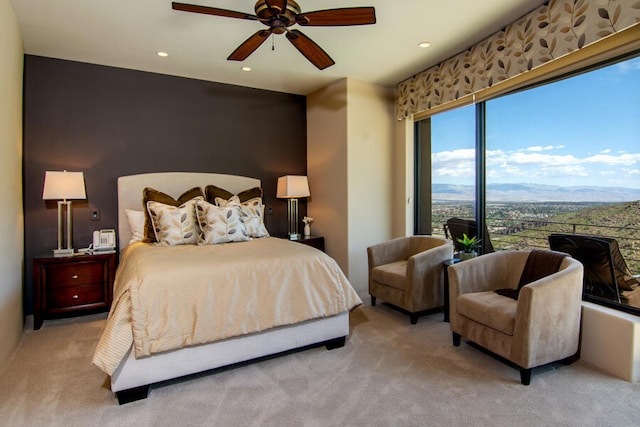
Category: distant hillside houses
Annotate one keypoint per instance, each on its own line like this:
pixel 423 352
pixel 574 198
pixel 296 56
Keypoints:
pixel 536 193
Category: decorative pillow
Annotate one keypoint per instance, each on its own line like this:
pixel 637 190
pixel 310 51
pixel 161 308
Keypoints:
pixel 540 263
pixel 252 211
pixel 150 194
pixel 220 224
pixel 212 191
pixel 175 225
pixel 224 203
pixel 136 225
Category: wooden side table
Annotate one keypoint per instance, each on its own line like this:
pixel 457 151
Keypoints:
pixel 71 285
pixel 313 241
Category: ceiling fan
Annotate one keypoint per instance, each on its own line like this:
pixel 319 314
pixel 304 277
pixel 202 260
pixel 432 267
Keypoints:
pixel 278 16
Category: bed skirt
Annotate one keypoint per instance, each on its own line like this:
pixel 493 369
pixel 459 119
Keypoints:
pixel 134 375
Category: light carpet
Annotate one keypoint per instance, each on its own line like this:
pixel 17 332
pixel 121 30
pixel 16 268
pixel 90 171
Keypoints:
pixel 390 373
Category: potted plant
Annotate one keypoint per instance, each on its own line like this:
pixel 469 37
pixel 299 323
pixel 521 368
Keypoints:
pixel 469 247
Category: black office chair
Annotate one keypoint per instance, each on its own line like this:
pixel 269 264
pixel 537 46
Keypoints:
pixel 454 228
pixel 606 274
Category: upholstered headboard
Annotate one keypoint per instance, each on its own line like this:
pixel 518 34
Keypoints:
pixel 172 183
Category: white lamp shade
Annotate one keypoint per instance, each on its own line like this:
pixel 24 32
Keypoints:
pixel 292 187
pixel 63 185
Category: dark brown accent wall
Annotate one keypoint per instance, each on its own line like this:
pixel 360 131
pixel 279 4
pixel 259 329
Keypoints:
pixel 108 122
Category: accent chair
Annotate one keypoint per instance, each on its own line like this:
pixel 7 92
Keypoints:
pixel 407 272
pixel 606 274
pixel 524 306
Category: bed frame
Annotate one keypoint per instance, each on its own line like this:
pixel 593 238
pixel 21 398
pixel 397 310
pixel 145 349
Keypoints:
pixel 133 377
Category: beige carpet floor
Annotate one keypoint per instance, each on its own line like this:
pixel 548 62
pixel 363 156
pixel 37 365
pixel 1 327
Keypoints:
pixel 390 373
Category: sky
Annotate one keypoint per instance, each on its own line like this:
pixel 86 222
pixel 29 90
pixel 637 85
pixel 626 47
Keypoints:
pixel 579 131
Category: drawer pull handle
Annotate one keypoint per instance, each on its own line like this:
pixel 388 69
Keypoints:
pixel 75 297
pixel 75 276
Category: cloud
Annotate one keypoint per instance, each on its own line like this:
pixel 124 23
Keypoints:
pixel 541 148
pixel 454 155
pixel 454 163
pixel 626 67
pixel 536 164
pixel 622 159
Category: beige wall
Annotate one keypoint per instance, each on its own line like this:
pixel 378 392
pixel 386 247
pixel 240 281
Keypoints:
pixel 327 168
pixel 370 120
pixel 11 218
pixel 403 181
pixel 350 131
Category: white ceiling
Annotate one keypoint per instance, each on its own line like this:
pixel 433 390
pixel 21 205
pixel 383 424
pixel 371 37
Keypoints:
pixel 128 33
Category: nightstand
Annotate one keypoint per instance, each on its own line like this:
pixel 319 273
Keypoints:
pixel 313 241
pixel 72 285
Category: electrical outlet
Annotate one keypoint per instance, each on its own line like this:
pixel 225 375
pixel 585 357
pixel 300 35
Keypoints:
pixel 95 214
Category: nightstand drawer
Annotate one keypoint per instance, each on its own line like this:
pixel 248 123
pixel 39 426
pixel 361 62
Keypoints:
pixel 75 274
pixel 74 285
pixel 74 296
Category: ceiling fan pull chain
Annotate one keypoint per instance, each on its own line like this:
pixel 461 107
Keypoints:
pixel 273 43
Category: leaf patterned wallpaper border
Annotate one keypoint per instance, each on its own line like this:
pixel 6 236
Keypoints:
pixel 545 34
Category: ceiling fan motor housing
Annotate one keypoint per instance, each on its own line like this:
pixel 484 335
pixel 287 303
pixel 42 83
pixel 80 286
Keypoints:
pixel 277 20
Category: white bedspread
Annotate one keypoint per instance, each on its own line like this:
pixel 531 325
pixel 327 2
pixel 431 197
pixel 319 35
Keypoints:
pixel 167 298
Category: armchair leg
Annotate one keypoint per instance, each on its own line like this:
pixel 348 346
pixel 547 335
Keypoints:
pixel 525 376
pixel 413 317
pixel 373 301
pixel 456 339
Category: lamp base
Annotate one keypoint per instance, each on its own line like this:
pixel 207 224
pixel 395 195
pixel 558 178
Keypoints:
pixel 63 252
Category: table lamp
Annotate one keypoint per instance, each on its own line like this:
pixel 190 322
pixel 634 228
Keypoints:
pixel 292 187
pixel 63 186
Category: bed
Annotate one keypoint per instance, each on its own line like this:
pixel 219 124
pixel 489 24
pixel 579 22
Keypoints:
pixel 186 309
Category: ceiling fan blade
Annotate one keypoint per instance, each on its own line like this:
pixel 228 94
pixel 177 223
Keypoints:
pixel 277 5
pixel 212 11
pixel 249 46
pixel 338 17
pixel 310 49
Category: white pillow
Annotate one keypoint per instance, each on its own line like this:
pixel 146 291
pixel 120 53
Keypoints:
pixel 220 224
pixel 233 201
pixel 175 225
pixel 136 225
pixel 252 212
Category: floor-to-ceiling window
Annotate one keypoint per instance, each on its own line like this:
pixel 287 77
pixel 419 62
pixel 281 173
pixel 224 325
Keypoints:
pixel 449 148
pixel 558 157
pixel 565 157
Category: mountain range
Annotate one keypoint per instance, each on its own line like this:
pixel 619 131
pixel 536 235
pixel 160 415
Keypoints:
pixel 522 193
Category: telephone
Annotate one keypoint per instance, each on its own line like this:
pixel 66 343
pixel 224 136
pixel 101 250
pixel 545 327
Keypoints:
pixel 104 240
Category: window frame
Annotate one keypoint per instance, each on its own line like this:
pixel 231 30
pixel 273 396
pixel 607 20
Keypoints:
pixel 480 147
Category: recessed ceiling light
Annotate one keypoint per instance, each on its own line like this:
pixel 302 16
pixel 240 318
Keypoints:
pixel 424 44
pixel 162 54
pixel 247 69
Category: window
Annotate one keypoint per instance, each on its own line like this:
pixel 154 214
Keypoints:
pixel 560 157
pixel 449 147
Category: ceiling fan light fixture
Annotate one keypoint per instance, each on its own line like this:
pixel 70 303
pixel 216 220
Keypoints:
pixel 246 69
